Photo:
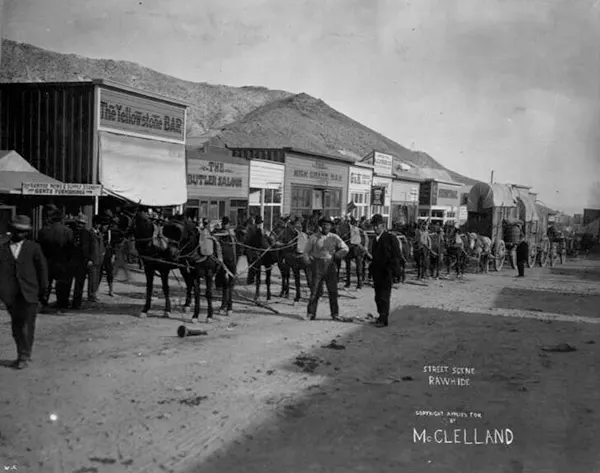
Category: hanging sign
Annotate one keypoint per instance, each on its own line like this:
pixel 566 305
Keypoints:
pixel 378 195
pixel 76 190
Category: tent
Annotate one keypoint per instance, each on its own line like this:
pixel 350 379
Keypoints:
pixel 485 196
pixel 14 170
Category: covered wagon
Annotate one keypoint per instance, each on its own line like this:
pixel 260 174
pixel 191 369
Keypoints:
pixel 505 213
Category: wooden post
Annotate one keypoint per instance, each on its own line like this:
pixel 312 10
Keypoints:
pixel 492 177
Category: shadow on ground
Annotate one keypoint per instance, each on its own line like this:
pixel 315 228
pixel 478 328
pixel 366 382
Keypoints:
pixel 548 301
pixel 583 273
pixel 361 418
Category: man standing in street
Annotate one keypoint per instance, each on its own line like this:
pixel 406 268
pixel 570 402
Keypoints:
pixel 322 251
pixel 385 267
pixel 228 246
pixel 24 277
pixel 56 240
pixel 522 256
pixel 98 251
pixel 81 259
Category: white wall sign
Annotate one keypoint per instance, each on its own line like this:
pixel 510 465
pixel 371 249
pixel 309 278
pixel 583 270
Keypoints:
pixel 79 190
pixel 314 172
pixel 383 164
pixel 360 178
pixel 217 179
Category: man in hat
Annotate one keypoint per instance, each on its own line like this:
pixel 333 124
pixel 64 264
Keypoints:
pixel 98 252
pixel 322 251
pixel 56 240
pixel 81 259
pixel 385 266
pixel 522 256
pixel 256 226
pixel 24 277
pixel 227 277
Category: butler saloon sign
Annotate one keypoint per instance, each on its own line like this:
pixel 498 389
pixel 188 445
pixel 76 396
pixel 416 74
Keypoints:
pixel 218 179
pixel 130 113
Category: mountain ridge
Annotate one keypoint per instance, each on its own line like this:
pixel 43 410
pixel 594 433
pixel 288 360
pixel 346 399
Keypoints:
pixel 239 115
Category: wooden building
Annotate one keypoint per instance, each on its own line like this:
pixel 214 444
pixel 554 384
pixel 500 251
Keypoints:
pixel 98 132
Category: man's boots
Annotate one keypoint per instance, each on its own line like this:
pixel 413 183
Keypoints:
pixel 110 290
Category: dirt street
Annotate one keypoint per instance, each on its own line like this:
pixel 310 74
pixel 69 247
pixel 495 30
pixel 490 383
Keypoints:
pixel 109 392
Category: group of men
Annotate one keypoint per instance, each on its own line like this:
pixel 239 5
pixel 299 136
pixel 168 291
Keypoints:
pixel 76 254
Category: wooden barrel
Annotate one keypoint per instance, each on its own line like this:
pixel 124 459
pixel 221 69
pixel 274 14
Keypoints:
pixel 512 233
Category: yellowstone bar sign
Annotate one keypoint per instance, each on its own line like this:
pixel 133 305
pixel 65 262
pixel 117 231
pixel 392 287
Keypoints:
pixel 124 112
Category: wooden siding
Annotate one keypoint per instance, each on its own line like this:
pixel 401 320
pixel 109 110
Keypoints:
pixel 52 127
pixel 266 175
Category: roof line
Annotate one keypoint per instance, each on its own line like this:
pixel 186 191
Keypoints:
pixel 315 153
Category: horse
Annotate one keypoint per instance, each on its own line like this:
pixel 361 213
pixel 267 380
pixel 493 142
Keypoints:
pixel 153 249
pixel 456 249
pixel 481 247
pixel 437 252
pixel 176 245
pixel 291 241
pixel 421 251
pixel 260 255
pixel 357 241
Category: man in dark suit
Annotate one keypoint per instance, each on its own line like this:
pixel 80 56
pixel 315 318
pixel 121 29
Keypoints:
pixel 81 259
pixel 522 256
pixel 385 266
pixel 24 277
pixel 56 240
pixel 228 246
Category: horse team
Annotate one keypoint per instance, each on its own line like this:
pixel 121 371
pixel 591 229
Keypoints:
pixel 197 254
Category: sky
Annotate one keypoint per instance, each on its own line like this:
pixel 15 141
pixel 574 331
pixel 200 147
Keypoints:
pixel 511 86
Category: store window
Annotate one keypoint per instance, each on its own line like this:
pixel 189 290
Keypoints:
pixel 361 200
pixel 332 202
pixel 266 203
pixel 301 201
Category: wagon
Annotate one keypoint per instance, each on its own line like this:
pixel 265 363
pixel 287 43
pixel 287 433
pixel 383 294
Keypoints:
pixel 503 213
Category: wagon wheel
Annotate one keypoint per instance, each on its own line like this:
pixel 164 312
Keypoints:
pixel 532 256
pixel 499 256
pixel 544 253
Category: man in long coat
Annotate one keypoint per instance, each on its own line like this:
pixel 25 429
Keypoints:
pixel 24 277
pixel 56 240
pixel 384 268
pixel 98 252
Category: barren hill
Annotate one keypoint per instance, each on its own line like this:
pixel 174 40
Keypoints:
pixel 214 105
pixel 242 116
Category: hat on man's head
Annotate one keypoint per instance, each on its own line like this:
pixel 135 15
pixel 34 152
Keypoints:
pixel 108 213
pixel 377 219
pixel 324 219
pixel 225 221
pixel 81 218
pixel 258 220
pixel 21 223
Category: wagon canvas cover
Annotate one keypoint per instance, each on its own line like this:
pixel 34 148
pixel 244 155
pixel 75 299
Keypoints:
pixel 486 196
pixel 527 208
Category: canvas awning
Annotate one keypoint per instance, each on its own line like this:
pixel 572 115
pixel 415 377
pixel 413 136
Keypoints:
pixel 148 172
pixel 15 170
pixel 527 208
pixel 485 196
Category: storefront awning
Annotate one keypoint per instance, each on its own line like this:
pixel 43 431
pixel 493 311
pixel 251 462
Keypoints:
pixel 15 170
pixel 148 172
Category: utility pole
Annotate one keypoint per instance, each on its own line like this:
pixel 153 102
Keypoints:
pixel 492 177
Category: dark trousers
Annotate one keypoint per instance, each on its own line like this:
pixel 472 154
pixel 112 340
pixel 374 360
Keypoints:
pixel 58 272
pixel 521 267
pixel 78 275
pixel 23 315
pixel 323 272
pixel 228 283
pixel 383 293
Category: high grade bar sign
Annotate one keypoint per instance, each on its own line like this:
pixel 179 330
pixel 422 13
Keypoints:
pixel 75 190
pixel 130 113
